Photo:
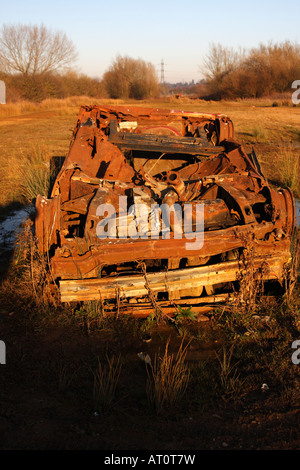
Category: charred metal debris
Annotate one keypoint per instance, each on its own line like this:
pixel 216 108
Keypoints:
pixel 123 160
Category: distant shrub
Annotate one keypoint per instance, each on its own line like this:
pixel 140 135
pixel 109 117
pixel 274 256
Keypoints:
pixel 131 78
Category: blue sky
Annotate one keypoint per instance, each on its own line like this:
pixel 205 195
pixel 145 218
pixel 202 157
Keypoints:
pixel 177 32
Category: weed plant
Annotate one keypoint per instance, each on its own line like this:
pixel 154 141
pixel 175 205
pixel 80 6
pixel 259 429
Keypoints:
pixel 168 378
pixel 228 373
pixel 106 378
pixel 259 133
pixel 289 168
pixel 31 173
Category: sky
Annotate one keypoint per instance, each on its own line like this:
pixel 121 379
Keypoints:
pixel 177 33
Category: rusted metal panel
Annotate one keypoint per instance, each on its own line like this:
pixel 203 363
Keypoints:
pixel 89 264
pixel 169 281
pixel 172 190
pixel 47 223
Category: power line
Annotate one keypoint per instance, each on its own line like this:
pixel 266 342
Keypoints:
pixel 162 71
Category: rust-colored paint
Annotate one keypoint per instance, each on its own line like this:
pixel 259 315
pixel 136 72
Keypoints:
pixel 167 158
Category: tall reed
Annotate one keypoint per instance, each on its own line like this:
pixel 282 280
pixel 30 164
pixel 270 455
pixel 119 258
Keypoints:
pixel 30 172
pixel 106 378
pixel 168 378
pixel 288 161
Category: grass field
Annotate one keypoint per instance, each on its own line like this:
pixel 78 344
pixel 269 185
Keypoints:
pixel 27 128
pixel 76 378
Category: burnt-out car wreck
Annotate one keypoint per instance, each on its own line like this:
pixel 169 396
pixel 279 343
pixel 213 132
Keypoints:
pixel 152 208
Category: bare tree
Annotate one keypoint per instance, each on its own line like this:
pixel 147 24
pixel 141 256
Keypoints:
pixel 33 50
pixel 220 61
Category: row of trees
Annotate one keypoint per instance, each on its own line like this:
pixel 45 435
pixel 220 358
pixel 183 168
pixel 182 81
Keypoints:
pixel 36 62
pixel 50 85
pixel 126 78
pixel 261 71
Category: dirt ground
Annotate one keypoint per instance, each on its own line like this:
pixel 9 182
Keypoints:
pixel 47 399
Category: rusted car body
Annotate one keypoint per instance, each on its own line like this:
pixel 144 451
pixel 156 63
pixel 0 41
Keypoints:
pixel 125 159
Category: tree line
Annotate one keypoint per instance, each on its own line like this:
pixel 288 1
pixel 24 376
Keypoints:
pixel 36 63
pixel 50 85
pixel 261 71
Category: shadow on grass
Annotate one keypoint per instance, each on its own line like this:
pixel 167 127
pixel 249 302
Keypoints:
pixel 12 216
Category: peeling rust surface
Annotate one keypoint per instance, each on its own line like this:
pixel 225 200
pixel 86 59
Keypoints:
pixel 128 159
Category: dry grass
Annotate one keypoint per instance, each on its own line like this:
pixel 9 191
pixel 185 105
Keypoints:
pixel 292 271
pixel 30 271
pixel 288 161
pixel 168 379
pixel 30 173
pixel 25 125
pixel 65 106
pixel 19 141
pixel 106 378
pixel 259 133
pixel 229 379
